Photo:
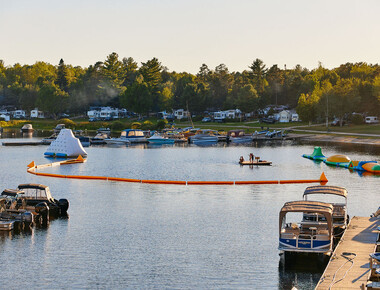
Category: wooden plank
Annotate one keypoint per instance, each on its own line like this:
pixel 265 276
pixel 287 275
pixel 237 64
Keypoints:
pixel 348 267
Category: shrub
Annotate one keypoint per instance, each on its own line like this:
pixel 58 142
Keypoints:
pixel 357 119
pixel 68 123
pixel 147 125
pixel 117 126
pixel 161 124
pixel 136 125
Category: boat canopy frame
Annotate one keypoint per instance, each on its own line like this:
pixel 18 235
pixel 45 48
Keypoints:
pixel 305 206
pixel 11 192
pixel 41 191
pixel 326 189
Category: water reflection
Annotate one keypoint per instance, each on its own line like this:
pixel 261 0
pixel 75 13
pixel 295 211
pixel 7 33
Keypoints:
pixel 301 271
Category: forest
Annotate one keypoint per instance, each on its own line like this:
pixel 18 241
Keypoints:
pixel 151 87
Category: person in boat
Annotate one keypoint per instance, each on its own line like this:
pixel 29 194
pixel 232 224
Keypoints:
pixel 251 157
pixel 241 160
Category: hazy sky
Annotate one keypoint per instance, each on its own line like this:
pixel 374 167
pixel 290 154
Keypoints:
pixel 185 34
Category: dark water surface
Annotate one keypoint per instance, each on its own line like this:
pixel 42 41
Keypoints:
pixel 125 235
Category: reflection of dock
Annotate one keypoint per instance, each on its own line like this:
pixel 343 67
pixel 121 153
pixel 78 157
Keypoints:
pixel 348 267
pixel 287 137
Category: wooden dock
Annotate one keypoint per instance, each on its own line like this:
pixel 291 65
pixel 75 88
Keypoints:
pixel 348 267
pixel 29 143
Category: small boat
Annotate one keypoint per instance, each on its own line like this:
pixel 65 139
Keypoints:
pixel 304 236
pixel 84 140
pixel 129 136
pixel 6 225
pixel 274 133
pixel 35 194
pixel 205 136
pixel 48 140
pixel 238 136
pixel 27 128
pixel 104 130
pixel 99 139
pixel 58 128
pixel 159 139
pixel 258 162
pixel 12 214
pixel 254 161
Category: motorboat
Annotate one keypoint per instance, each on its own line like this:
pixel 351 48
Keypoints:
pixel 274 133
pixel 176 135
pixel 129 136
pixel 204 136
pixel 58 128
pixel 84 140
pixel 27 128
pixel 104 130
pixel 99 139
pixel 12 215
pixel 48 140
pixel 339 215
pixel 306 236
pixel 159 139
pixel 35 194
pixel 7 225
pixel 239 136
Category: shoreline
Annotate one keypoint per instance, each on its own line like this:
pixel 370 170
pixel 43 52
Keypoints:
pixel 341 139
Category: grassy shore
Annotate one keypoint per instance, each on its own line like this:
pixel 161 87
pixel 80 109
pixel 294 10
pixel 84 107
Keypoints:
pixel 249 127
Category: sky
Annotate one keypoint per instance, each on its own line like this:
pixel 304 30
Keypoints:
pixel 183 35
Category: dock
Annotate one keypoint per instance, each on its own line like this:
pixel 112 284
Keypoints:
pixel 348 267
pixel 30 143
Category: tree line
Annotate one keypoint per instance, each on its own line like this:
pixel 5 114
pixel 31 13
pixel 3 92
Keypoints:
pixel 150 87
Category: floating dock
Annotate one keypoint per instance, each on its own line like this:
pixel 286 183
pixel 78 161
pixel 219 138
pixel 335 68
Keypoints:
pixel 348 267
pixel 29 143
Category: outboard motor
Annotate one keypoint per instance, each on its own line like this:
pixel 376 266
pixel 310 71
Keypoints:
pixel 42 209
pixel 28 218
pixel 63 205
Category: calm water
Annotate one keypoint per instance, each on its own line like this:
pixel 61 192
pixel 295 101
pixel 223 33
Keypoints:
pixel 122 235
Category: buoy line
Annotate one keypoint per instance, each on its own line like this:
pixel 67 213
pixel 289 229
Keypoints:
pixel 32 169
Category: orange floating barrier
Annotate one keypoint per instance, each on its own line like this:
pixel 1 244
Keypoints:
pixel 164 181
pixel 257 182
pixel 210 182
pixel 124 179
pixel 32 167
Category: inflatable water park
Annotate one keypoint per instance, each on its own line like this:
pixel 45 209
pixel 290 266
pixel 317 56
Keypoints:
pixel 344 161
pixel 66 145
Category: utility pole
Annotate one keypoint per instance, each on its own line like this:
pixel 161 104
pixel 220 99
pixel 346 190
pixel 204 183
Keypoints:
pixel 327 112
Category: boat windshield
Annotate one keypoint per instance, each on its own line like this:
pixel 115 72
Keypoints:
pixel 35 192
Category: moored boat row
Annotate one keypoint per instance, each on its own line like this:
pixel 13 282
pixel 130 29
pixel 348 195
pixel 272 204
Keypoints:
pixel 29 205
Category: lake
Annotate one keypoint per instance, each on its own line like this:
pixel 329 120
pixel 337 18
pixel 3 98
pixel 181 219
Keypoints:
pixel 132 235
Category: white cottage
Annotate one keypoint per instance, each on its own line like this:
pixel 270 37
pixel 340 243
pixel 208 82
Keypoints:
pixel 284 116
